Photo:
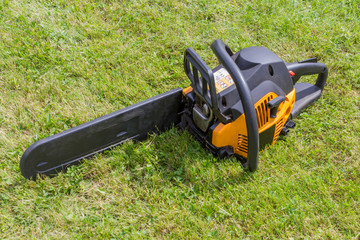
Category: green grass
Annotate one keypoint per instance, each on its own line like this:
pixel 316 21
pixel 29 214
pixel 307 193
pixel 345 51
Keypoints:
pixel 63 63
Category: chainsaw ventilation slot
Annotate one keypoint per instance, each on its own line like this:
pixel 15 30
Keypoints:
pixel 279 126
pixel 263 112
pixel 242 144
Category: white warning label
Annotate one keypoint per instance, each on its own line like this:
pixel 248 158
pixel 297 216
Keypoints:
pixel 222 79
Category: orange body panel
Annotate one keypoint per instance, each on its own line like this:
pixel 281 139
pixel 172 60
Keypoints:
pixel 234 134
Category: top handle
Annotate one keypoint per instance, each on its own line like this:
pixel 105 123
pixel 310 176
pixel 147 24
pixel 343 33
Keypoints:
pixel 223 53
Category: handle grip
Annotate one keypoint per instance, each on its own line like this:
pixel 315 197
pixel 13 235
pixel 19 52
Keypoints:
pixel 223 53
pixel 309 68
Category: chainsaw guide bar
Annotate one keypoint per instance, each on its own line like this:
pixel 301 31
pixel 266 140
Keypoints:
pixel 52 154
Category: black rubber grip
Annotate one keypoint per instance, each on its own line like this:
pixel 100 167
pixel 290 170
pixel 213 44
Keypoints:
pixel 309 68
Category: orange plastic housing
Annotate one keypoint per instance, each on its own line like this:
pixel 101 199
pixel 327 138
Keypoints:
pixel 234 134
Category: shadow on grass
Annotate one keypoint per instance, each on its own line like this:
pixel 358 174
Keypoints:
pixel 178 159
pixel 174 157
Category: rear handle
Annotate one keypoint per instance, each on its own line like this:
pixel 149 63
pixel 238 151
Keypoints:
pixel 309 68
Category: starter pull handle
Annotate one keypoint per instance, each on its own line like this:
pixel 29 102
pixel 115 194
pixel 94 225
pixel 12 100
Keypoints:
pixel 274 105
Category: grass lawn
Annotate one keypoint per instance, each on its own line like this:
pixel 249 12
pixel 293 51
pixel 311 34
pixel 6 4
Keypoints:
pixel 63 63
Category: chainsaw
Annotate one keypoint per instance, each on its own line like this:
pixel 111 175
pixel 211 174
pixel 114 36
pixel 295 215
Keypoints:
pixel 235 109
